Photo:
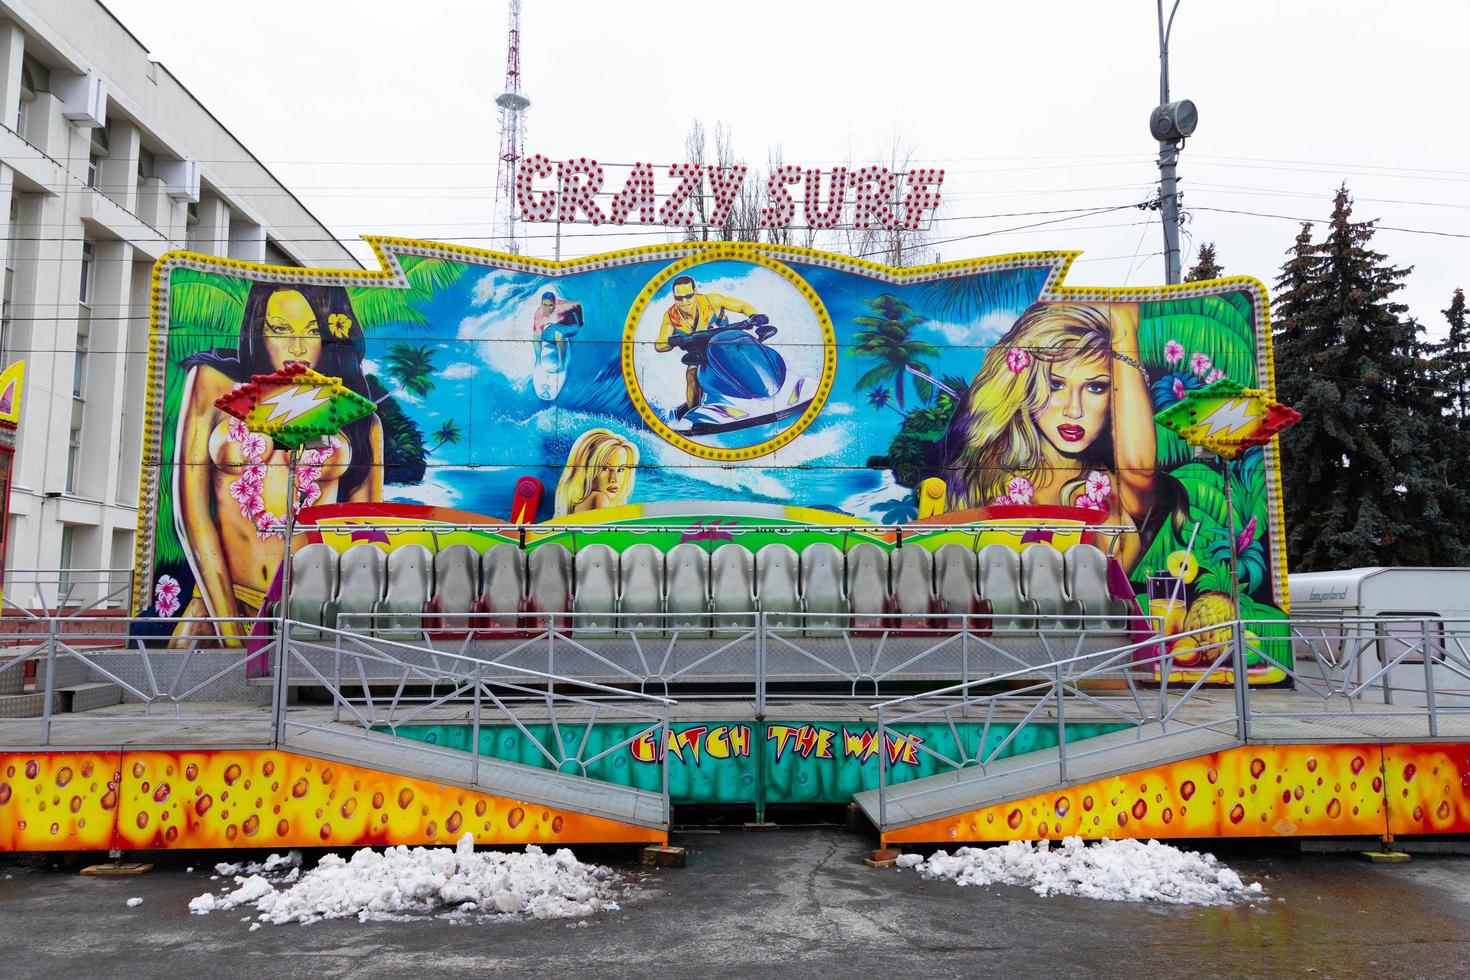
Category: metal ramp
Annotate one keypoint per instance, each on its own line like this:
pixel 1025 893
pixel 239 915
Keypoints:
pixel 945 794
pixel 384 752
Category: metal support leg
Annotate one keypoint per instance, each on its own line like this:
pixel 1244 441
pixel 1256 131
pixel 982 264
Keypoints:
pixel 882 773
pixel 1242 682
pixel 1061 725
pixel 1429 679
pixel 475 730
pixel 49 688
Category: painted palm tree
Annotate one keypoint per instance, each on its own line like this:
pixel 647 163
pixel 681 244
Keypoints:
pixel 377 306
pixel 447 435
pixel 887 338
pixel 412 365
pixel 882 397
pixel 899 510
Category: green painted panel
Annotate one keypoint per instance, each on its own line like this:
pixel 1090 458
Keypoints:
pixel 732 762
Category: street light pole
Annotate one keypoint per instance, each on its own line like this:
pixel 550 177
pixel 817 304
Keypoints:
pixel 1170 123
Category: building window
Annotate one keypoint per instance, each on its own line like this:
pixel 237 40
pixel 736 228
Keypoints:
pixel 146 167
pixel 79 365
pixel 27 98
pixel 9 287
pixel 68 540
pixel 191 227
pixel 73 458
pixel 89 270
pixel 99 151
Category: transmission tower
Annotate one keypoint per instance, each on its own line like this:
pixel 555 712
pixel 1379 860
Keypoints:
pixel 513 106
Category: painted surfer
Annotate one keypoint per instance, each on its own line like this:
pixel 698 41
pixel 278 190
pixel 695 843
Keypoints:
pixel 692 313
pixel 553 324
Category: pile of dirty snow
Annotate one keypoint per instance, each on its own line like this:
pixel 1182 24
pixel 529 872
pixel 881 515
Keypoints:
pixel 1114 871
pixel 402 881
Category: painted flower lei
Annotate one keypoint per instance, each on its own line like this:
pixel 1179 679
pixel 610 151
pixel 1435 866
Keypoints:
pixel 248 487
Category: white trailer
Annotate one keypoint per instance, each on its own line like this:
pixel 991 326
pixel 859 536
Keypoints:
pixel 1376 624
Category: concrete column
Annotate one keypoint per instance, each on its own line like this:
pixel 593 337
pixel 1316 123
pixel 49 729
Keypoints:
pixel 213 234
pixel 12 56
pixel 119 176
pixel 103 392
pixel 247 241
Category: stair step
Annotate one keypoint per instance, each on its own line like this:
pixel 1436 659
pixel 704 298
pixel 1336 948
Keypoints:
pixel 85 697
pixel 27 705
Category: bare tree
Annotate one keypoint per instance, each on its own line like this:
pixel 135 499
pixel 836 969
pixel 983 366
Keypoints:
pixel 694 154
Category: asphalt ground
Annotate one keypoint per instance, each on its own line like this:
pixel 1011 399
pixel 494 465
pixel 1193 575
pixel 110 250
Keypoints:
pixel 789 902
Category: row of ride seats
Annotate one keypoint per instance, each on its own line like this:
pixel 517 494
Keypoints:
pixel 644 589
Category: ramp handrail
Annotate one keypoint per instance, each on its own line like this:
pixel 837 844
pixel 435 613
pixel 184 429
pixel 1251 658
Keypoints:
pixel 571 717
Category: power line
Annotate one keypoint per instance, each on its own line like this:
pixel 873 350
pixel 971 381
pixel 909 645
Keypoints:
pixel 1320 220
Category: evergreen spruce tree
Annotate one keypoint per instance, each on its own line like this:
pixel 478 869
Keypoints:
pixel 1366 471
pixel 1453 359
pixel 1205 265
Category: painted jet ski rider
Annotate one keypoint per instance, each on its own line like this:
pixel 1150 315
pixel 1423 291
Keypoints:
pixel 684 324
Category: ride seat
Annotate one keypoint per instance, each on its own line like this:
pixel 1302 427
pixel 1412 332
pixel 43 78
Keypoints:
pixel 1043 582
pixel 867 586
pixel 1085 570
pixel 456 591
pixel 686 587
pixel 955 584
pixel 313 585
pixel 912 571
pixel 595 596
pixel 732 589
pixel 359 588
pixel 503 571
pixel 1000 585
pixel 549 585
pixel 777 577
pixel 410 582
pixel 641 589
pixel 823 594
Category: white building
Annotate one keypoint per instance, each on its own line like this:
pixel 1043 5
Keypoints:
pixel 106 163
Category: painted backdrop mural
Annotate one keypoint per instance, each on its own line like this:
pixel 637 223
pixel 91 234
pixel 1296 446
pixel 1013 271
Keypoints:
pixel 707 376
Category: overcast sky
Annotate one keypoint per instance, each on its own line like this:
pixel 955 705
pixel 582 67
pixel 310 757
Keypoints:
pixel 381 116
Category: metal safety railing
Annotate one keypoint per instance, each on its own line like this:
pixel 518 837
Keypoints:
pixel 381 685
pixel 1387 677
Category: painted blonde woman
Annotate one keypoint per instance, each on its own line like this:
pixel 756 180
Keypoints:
pixel 230 485
pixel 599 473
pixel 1060 413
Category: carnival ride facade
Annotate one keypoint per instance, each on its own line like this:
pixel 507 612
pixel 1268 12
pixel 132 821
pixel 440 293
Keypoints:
pixel 538 551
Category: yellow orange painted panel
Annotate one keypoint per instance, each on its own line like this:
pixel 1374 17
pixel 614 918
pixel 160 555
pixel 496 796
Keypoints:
pixel 1253 791
pixel 260 798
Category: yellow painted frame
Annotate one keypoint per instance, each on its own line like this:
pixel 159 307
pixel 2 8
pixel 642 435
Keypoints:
pixel 390 274
pixel 745 253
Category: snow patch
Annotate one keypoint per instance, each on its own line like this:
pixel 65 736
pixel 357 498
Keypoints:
pixel 1109 870
pixel 134 902
pixel 397 883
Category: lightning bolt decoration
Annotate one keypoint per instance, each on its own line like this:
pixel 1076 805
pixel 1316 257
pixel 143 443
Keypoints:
pixel 1226 418
pixel 294 405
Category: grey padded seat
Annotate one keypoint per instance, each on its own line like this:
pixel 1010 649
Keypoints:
pixel 595 596
pixel 955 583
pixel 313 585
pixel 1043 582
pixel 912 571
pixel 641 588
pixel 686 587
pixel 410 582
pixel 777 573
pixel 503 574
pixel 1000 586
pixel 1085 571
pixel 823 594
pixel 456 586
pixel 549 583
pixel 359 587
pixel 867 586
pixel 732 589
